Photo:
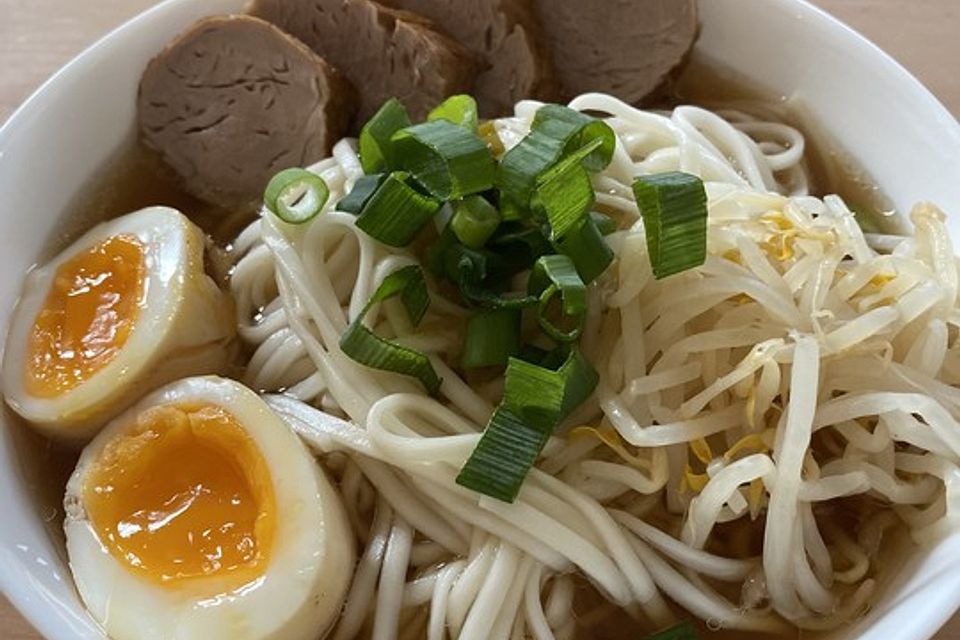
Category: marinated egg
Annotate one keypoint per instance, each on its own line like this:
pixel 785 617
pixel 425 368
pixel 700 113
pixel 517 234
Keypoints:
pixel 124 309
pixel 198 514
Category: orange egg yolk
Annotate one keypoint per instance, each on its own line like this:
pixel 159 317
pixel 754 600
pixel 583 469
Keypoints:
pixel 184 495
pixel 87 317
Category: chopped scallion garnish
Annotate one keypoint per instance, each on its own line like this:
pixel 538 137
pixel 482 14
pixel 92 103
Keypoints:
pixel 535 400
pixel 493 336
pixel 376 154
pixel 557 274
pixel 586 247
pixel 470 269
pixel 461 110
pixel 447 160
pixel 674 210
pixel 556 132
pixel 531 211
pixel 474 221
pixel 296 195
pixel 576 130
pixel 519 169
pixel 522 244
pixel 363 188
pixel 364 346
pixel 396 211
pixel 564 193
pixel 605 224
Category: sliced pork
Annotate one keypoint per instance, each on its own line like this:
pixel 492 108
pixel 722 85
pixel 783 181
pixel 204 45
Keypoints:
pixel 234 100
pixel 384 52
pixel 621 47
pixel 505 37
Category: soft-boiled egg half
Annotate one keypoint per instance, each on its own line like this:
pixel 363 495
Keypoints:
pixel 124 309
pixel 198 514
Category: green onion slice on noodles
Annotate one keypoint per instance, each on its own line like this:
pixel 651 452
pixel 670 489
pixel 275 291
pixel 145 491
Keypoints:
pixel 447 160
pixel 296 195
pixel 376 153
pixel 460 109
pixel 364 346
pixel 552 275
pixel 396 211
pixel 674 210
pixel 535 400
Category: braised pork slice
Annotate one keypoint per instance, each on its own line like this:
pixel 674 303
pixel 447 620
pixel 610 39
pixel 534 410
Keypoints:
pixel 234 100
pixel 384 52
pixel 505 37
pixel 621 47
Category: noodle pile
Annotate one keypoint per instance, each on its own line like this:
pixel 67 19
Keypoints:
pixel 804 371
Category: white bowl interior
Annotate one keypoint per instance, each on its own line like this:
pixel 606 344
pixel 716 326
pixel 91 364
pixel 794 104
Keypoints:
pixel 49 149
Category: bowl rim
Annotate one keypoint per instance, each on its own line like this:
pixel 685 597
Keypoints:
pixel 30 598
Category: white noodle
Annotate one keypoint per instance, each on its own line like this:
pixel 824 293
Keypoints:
pixel 798 333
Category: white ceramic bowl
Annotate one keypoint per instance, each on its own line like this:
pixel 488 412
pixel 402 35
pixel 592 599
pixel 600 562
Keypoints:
pixel 902 136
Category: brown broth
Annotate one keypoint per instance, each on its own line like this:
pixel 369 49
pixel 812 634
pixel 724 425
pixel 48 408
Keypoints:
pixel 136 178
pixel 832 168
pixel 45 467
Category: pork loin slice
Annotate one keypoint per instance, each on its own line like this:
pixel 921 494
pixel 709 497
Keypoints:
pixel 505 37
pixel 234 100
pixel 384 52
pixel 621 47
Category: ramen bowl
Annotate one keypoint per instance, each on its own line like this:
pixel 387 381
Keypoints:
pixel 856 95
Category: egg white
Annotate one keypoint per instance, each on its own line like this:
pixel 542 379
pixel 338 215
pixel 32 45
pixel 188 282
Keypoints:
pixel 184 328
pixel 300 593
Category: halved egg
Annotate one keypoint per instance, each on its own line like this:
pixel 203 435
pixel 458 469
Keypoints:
pixel 198 514
pixel 124 309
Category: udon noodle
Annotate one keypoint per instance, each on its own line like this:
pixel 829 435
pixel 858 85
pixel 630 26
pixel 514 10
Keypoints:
pixel 803 366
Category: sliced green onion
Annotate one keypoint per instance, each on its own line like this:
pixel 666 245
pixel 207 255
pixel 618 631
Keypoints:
pixel 519 169
pixel 461 110
pixel 376 153
pixel 448 161
pixel 409 284
pixel 557 274
pixel 436 255
pixel 470 269
pixel 674 210
pixel 556 132
pixel 396 211
pixel 535 400
pixel 586 247
pixel 296 195
pixel 577 130
pixel 493 336
pixel 681 631
pixel 605 224
pixel 363 188
pixel 534 393
pixel 474 221
pixel 520 244
pixel 503 457
pixel 564 193
pixel 364 346
pixel 579 380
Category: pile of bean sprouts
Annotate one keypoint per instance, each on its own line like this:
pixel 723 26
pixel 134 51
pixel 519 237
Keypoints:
pixel 803 366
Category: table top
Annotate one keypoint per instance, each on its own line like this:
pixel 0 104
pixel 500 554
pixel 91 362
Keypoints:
pixel 37 37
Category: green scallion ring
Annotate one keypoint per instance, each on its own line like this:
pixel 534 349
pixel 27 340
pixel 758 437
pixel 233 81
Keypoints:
pixel 296 195
pixel 551 329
